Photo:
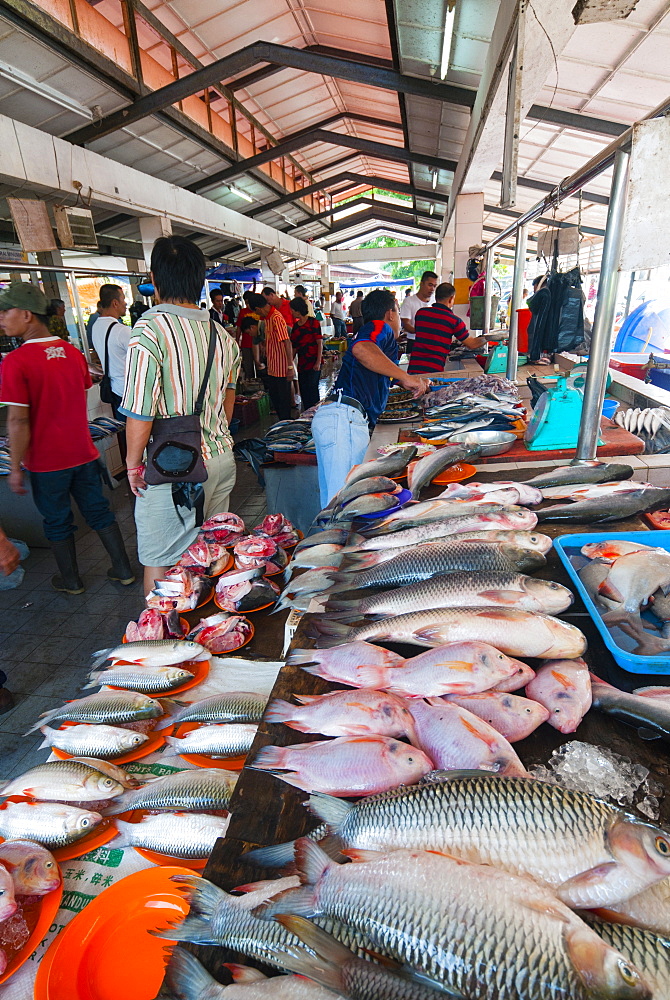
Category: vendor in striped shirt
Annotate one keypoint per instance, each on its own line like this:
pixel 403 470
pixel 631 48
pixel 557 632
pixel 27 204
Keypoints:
pixel 437 330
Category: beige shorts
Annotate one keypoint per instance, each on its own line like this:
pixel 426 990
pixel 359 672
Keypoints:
pixel 161 536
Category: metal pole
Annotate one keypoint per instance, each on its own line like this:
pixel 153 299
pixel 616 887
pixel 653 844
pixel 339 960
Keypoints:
pixel 488 291
pixel 601 337
pixel 517 293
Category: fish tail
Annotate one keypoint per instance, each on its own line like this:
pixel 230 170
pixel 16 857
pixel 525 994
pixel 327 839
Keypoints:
pixel 331 810
pixel 123 804
pixel 280 711
pixel 275 856
pixel 316 670
pixel 205 898
pixel 101 655
pixel 325 966
pixel 123 836
pixel 270 759
pixel 173 711
pixel 186 978
pixel 94 679
pixel 328 633
pixel 311 861
pixel 340 605
pixel 46 742
pixel 299 657
pixel 372 676
pixel 43 720
pixel 174 747
pixel 242 975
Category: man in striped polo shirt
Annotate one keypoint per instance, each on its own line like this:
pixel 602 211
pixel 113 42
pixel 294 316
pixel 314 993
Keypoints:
pixel 279 357
pixel 437 329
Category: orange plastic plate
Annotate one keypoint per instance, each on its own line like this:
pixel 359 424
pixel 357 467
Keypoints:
pixel 249 611
pixel 155 742
pixel 202 760
pixel 229 652
pixel 455 474
pixel 42 912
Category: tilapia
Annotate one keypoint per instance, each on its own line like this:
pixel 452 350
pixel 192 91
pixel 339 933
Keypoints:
pixel 369 503
pixel 105 706
pixel 8 904
pixel 230 739
pixel 187 979
pixel 63 780
pixel 434 558
pixel 613 548
pixel 633 578
pixel 153 652
pixel 454 738
pixel 460 589
pixel 521 676
pixel 231 706
pixel 386 465
pixel 612 508
pixel 147 680
pixel 33 869
pixel 51 824
pixel 514 632
pixel 586 849
pixel 513 717
pixel 178 834
pixel 651 715
pixel 564 688
pixel 414 905
pixel 648 952
pixel 508 519
pixel 528 495
pixel 346 765
pixel 342 663
pixel 426 469
pixel 345 713
pixel 201 789
pixel 563 475
pixel 98 741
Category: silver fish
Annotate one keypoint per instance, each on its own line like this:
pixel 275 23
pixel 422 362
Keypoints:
pixel 153 652
pixel 432 510
pixel 425 470
pixel 178 834
pixel 509 518
pixel 648 952
pixel 100 740
pixel 147 680
pixel 533 541
pixel 315 557
pixel 104 707
pixel 51 824
pixel 612 508
pixel 460 589
pixel 648 714
pixel 194 791
pixel 230 739
pixel 374 484
pixel 369 503
pixel 331 536
pixel 63 780
pixel 111 770
pixel 231 706
pixel 564 475
pixel 386 465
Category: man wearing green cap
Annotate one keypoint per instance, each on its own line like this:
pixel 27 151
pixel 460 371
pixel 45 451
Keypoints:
pixel 44 383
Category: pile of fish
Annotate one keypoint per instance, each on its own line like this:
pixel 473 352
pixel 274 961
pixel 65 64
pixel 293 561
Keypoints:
pixel 290 435
pixel 651 424
pixel 493 387
pixel 28 872
pixel 472 412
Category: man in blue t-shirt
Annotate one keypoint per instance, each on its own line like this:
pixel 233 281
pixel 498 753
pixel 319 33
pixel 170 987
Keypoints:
pixel 341 426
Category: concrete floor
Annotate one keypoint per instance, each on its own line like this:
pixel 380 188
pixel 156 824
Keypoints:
pixel 46 639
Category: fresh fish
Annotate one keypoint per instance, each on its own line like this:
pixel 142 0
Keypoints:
pixel 528 495
pixel 426 469
pixel 63 780
pixel 33 869
pixel 434 558
pixel 648 952
pixel 178 834
pixel 342 663
pixel 369 503
pixel 513 717
pixel 587 850
pixel 148 680
pixel 103 707
pixel 51 824
pixel 374 484
pixel 649 909
pixel 386 465
pixel 460 589
pixel 510 519
pixel 231 706
pixel 454 739
pixel 230 739
pixel 590 491
pixel 312 581
pixel 111 770
pixel 650 715
pixel 633 578
pixel 100 741
pixel 201 789
pixel 564 688
pixel 430 510
pixel 613 508
pixel 345 713
pixel 331 536
pixel 414 905
pixel 613 548
pixel 521 676
pixel 531 540
pixel 314 558
pixel 346 765
pixel 514 632
pixel 592 575
pixel 564 475
pixel 153 652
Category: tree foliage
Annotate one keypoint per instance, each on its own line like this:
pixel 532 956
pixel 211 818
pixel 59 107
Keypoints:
pixel 400 269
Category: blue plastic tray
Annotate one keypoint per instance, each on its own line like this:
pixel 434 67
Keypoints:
pixel 619 644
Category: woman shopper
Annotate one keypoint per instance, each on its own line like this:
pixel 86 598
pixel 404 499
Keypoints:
pixel 308 347
pixel 167 362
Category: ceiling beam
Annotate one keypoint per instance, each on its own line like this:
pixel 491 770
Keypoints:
pixel 282 55
pixel 508 213
pixel 380 150
pixel 530 182
pixel 381 254
pixel 266 71
pixel 407 208
pixel 347 116
pixel 380 216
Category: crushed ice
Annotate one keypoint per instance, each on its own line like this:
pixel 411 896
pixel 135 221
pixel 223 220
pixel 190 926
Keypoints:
pixel 603 773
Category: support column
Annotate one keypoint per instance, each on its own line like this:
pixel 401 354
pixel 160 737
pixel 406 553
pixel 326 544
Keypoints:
pixel 468 232
pixel 446 269
pixel 56 286
pixel 152 227
pixel 517 295
pixel 132 264
pixel 601 335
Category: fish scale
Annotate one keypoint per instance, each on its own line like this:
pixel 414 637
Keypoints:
pixel 201 789
pixel 104 707
pixel 648 952
pixel 235 706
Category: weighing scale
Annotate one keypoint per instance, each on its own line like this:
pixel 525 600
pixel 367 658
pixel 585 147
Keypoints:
pixel 496 363
pixel 555 421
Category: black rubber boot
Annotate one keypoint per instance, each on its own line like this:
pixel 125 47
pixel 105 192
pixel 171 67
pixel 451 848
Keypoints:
pixel 112 539
pixel 65 554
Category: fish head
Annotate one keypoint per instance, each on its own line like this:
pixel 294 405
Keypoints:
pixel 33 869
pixel 643 849
pixel 524 559
pixel 407 762
pixel 193 650
pixel 550 596
pixel 8 904
pixel 516 520
pixel 130 741
pixel 104 786
pixel 604 971
pixel 80 821
pixel 521 675
pixel 568 642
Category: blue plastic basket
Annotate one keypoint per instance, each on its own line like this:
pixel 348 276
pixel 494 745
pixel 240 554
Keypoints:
pixel 619 644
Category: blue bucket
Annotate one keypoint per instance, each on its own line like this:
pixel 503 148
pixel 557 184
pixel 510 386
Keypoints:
pixel 610 407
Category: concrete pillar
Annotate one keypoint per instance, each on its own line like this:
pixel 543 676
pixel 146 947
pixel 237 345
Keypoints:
pixel 445 267
pixel 132 264
pixel 468 232
pixel 56 286
pixel 152 227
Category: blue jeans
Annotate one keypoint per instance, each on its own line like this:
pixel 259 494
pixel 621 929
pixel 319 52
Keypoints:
pixel 340 327
pixel 341 435
pixel 52 492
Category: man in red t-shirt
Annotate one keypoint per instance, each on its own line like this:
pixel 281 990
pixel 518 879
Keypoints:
pixel 44 383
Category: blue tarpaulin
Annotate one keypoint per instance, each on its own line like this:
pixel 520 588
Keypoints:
pixel 228 272
pixel 646 329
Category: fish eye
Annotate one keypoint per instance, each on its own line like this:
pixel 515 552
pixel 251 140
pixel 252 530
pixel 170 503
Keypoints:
pixel 628 974
pixel 85 822
pixel 48 864
pixel 108 782
pixel 662 846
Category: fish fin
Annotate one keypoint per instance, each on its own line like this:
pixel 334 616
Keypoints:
pixel 325 967
pixel 174 747
pixel 306 699
pixel 185 977
pixel 507 597
pixel 359 855
pixel 572 891
pixel 205 899
pixel 43 720
pixel 274 856
pixel 338 605
pixel 607 589
pixel 328 633
pixel 316 670
pixel 281 711
pixel 546 908
pixel 331 810
pixel 311 861
pixel 300 657
pixel 46 742
pixel 123 836
pixel 172 709
pixel 270 758
pixel 370 676
pixel 94 679
pixel 294 901
pixel 653 692
pixel 100 656
pixel 120 805
pixel 243 974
